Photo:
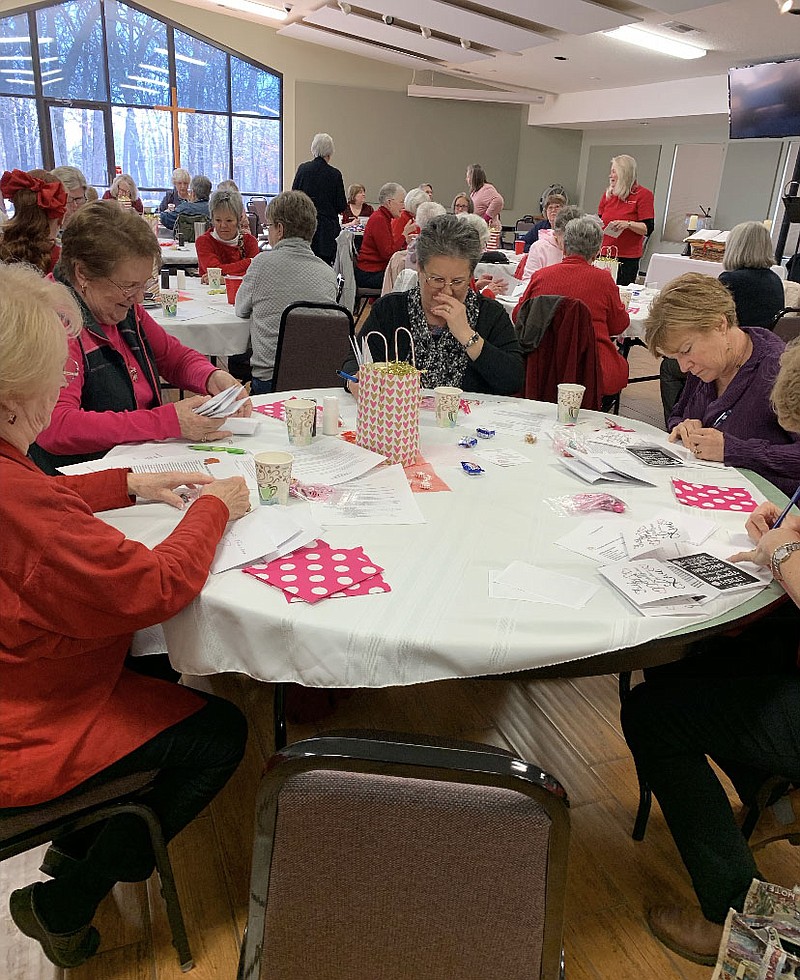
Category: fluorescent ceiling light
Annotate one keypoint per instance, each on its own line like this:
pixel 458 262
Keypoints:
pixel 51 80
pixel 149 81
pixel 53 71
pixel 23 81
pixel 158 68
pixel 19 40
pixel 15 57
pixel 251 7
pixel 16 71
pixel 656 42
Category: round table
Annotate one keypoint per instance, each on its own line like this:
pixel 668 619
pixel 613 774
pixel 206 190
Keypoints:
pixel 439 621
pixel 206 323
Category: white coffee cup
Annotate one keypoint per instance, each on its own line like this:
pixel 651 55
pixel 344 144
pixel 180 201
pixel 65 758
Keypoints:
pixel 274 477
pixel 570 397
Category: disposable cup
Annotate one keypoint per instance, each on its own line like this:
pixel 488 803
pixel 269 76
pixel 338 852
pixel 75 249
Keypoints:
pixel 273 475
pixel 199 229
pixel 181 278
pixel 569 401
pixel 519 247
pixel 169 302
pixel 625 295
pixel 232 284
pixel 300 416
pixel 214 278
pixel 446 401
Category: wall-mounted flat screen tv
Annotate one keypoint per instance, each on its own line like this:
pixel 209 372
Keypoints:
pixel 765 100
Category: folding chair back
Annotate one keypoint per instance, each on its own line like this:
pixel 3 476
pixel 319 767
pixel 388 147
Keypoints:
pixel 405 858
pixel 787 323
pixel 313 343
pixel 258 207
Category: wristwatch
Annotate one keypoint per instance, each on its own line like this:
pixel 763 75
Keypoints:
pixel 472 340
pixel 779 556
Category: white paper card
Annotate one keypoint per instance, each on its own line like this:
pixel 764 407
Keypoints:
pixel 547 585
pixel 601 540
pixel 384 497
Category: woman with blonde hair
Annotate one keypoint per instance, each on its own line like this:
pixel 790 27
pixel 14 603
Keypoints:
pixel 757 290
pixel 357 207
pixel 724 413
pixel 124 191
pixel 40 202
pixel 462 204
pixel 627 212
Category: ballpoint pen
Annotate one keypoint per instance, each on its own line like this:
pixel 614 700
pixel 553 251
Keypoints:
pixel 787 508
pixel 347 377
pixel 720 418
pixel 220 449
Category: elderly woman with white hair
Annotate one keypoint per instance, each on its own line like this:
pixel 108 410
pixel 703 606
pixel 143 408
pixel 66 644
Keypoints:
pixel 179 192
pixel 757 290
pixel 379 244
pixel 460 338
pixel 404 227
pixel 124 191
pixel 575 276
pixel 627 212
pixel 73 590
pixel 76 186
pixel 325 186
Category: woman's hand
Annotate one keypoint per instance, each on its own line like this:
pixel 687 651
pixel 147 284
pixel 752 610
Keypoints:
pixel 766 545
pixel 410 231
pixel 707 444
pixel 161 486
pixel 683 431
pixel 198 428
pixel 233 493
pixel 763 519
pixel 204 279
pixel 219 381
pixel 454 314
pixel 615 227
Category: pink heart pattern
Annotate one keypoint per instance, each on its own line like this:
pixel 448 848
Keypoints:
pixel 388 414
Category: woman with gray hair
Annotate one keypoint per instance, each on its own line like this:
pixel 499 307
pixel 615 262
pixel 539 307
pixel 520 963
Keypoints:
pixel 179 192
pixel 575 276
pixel 225 246
pixel 325 186
pixel 75 185
pixel 757 291
pixel 404 228
pixel 549 248
pixel 379 245
pixel 460 338
pixel 124 191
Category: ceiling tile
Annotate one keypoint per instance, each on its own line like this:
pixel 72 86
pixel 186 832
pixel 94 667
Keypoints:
pixel 676 6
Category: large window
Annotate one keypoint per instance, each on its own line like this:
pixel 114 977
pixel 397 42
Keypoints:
pixel 100 85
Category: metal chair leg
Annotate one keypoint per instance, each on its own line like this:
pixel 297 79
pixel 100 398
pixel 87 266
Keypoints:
pixel 279 715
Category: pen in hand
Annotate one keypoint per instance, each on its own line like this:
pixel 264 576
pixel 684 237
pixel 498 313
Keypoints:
pixel 786 509
pixel 347 377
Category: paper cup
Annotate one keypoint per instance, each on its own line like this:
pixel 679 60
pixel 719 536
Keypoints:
pixel 214 278
pixel 625 295
pixel 169 302
pixel 445 404
pixel 199 229
pixel 300 417
pixel 232 284
pixel 273 475
pixel 519 247
pixel 569 402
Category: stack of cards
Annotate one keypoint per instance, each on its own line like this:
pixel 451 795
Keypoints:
pixel 221 405
pixel 320 572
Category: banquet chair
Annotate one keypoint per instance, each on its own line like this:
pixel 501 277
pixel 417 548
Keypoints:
pixel 252 220
pixel 313 343
pixel 787 323
pixel 557 338
pixel 258 207
pixel 32 826
pixel 523 225
pixel 383 856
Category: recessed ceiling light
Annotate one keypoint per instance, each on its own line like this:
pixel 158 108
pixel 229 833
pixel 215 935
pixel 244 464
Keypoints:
pixel 656 42
pixel 559 57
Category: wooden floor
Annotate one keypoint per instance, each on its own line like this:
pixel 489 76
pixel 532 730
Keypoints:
pixel 569 727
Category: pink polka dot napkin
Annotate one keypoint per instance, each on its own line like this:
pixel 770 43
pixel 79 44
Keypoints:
pixel 708 497
pixel 320 572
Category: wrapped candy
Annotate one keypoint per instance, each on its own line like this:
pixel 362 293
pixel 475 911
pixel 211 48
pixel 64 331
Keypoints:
pixel 585 503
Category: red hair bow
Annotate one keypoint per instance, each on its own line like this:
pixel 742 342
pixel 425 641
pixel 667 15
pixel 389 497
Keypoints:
pixel 51 198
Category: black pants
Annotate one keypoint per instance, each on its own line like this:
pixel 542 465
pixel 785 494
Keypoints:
pixel 195 759
pixel 750 725
pixel 671 381
pixel 627 272
pixel 368 280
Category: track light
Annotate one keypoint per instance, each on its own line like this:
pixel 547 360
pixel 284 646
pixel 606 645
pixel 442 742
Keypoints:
pixel 788 6
pixel 388 19
pixel 466 44
pixel 344 7
pixel 425 32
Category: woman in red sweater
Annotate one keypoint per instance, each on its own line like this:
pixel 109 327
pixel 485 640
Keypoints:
pixel 73 590
pixel 225 246
pixel 627 212
pixel 379 245
pixel 575 276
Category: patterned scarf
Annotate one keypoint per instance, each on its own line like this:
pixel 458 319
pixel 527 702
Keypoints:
pixel 439 354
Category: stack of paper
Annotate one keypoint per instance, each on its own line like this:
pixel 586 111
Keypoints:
pixel 529 582
pixel 221 405
pixel 596 469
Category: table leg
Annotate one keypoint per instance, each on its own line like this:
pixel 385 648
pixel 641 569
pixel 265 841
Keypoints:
pixel 279 715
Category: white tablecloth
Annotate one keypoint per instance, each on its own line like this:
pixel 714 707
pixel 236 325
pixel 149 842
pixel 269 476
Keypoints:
pixel 185 256
pixel 217 331
pixel 663 268
pixel 438 621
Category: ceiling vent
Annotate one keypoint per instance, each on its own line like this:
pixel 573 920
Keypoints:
pixel 678 28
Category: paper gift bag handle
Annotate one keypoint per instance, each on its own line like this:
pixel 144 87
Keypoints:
pixel 386 343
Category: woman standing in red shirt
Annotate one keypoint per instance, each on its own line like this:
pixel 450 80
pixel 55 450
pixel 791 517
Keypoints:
pixel 627 212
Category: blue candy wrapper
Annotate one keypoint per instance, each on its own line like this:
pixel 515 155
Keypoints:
pixel 471 469
pixel 468 442
pixel 485 433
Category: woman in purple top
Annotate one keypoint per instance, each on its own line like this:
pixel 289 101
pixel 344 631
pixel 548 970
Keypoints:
pixel 725 413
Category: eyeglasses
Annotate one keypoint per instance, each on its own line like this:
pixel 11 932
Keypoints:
pixel 77 201
pixel 439 282
pixel 461 207
pixel 130 291
pixel 71 370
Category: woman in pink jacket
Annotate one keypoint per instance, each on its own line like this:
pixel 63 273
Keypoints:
pixel 486 199
pixel 107 259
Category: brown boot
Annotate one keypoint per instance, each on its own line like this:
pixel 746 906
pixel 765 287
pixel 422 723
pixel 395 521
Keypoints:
pixel 686 932
pixel 781 821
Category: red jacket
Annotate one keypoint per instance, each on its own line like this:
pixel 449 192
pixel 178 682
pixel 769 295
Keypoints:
pixel 378 245
pixel 575 277
pixel 229 258
pixel 72 592
pixel 398 225
pixel 137 205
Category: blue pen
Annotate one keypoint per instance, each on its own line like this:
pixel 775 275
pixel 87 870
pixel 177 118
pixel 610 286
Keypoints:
pixel 787 508
pixel 347 377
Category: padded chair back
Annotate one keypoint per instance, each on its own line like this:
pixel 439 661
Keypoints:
pixel 313 343
pixel 523 225
pixel 258 207
pixel 566 353
pixel 405 859
pixel 252 220
pixel 787 323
